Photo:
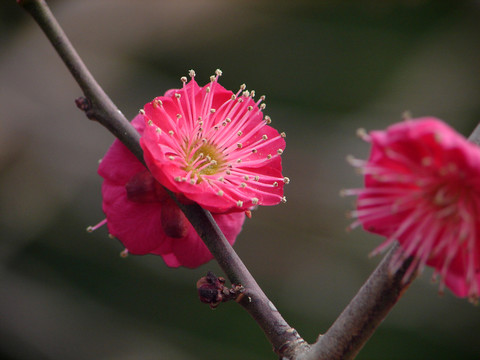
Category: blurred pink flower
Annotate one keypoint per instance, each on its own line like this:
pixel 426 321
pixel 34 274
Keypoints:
pixel 422 188
pixel 143 216
pixel 214 147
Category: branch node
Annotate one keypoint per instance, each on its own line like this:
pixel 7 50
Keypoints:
pixel 212 290
pixel 85 105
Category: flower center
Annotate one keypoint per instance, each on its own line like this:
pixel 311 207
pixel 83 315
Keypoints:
pixel 447 198
pixel 206 160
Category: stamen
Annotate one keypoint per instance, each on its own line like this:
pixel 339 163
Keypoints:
pixel 95 227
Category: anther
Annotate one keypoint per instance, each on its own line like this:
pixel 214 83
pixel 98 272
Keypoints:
pixel 124 253
pixel 221 179
pixel 141 112
pixel 212 78
pixel 158 130
pixel 406 115
pixel 179 116
pixel 246 177
pixel 243 185
pixel 228 120
pixel 286 180
pixel 150 122
pixel 178 179
pixel 264 137
pixel 178 95
pixel 263 97
pixel 427 161
pixel 254 151
pixel 263 106
pixel 269 156
pixel 254 201
pixel 284 199
pixel 362 133
pixel 212 111
pixel 283 135
pixel 257 178
pixel 268 120
pixel 220 193
pixel 239 203
pixel 275 184
pixel 207 89
pixel 279 151
pixel 250 108
pixel 171 157
pixel 239 133
pixel 239 160
pixel 218 72
pixel 243 87
pixel 239 145
pixel 171 132
pixel 192 181
pixel 191 73
pixel 228 172
pixel 183 79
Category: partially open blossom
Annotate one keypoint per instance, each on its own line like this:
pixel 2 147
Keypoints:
pixel 214 147
pixel 422 188
pixel 145 219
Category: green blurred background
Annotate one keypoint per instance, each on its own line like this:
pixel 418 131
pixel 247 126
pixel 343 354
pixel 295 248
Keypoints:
pixel 327 68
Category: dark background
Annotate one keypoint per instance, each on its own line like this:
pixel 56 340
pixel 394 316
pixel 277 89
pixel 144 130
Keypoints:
pixel 327 68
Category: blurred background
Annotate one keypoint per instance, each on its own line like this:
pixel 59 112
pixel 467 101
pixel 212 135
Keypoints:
pixel 327 68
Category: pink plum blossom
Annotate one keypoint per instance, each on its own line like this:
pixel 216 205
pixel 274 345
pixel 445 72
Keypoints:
pixel 214 147
pixel 145 219
pixel 422 189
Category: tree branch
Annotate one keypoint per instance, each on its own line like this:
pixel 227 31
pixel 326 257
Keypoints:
pixel 356 324
pixel 98 106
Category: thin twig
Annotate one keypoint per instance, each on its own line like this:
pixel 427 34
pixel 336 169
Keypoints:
pixel 98 106
pixel 363 315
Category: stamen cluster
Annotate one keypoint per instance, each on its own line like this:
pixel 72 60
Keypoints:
pixel 214 147
pixel 422 189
